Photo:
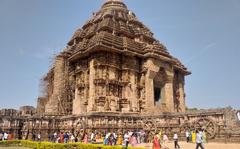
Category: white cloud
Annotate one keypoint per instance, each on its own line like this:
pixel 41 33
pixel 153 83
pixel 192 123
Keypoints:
pixel 202 52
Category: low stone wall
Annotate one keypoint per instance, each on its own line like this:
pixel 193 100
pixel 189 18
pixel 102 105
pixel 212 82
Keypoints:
pixel 219 124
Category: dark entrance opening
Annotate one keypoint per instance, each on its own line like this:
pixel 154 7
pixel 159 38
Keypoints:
pixel 157 94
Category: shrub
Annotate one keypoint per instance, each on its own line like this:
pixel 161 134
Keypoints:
pixel 49 145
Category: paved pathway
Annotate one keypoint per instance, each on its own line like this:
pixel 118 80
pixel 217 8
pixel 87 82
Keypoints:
pixel 185 145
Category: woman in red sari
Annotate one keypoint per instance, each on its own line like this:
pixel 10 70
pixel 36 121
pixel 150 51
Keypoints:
pixel 61 136
pixel 156 144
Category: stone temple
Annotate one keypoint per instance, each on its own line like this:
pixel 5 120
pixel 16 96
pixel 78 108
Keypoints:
pixel 114 75
pixel 114 64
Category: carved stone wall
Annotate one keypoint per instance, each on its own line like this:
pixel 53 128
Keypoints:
pixel 218 124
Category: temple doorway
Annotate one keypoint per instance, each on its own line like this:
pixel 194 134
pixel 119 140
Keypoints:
pixel 157 93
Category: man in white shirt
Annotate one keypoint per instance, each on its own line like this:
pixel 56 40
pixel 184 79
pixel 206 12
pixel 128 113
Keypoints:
pixel 126 139
pixel 175 138
pixel 39 137
pixel 199 140
pixel 114 138
pixel 188 136
pixel 5 136
pixel 92 137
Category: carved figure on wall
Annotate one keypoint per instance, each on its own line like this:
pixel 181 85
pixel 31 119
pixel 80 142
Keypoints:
pixel 142 80
pixel 142 94
pixel 107 104
pixel 129 95
pixel 125 77
pixel 113 103
pixel 177 101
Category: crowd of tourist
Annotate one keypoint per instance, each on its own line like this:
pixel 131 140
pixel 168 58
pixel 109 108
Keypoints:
pixel 194 136
pixel 96 137
pixel 159 140
pixel 198 137
pixel 191 136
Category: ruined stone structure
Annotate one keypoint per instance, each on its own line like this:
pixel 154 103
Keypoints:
pixel 27 110
pixel 114 64
pixel 9 112
pixel 115 75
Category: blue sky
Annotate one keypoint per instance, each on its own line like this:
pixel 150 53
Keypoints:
pixel 203 34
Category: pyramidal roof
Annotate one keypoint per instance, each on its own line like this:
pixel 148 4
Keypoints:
pixel 115 28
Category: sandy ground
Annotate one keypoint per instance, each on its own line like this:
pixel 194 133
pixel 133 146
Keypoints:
pixel 185 145
pixel 210 146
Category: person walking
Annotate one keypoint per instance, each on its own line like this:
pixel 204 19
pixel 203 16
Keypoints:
pixel 72 138
pixel 85 140
pixel 133 140
pixel 61 137
pixel 165 141
pixel 120 139
pixel 106 139
pixel 156 144
pixel 66 137
pixel 110 139
pixel 175 138
pixel 39 137
pixel 204 137
pixel 55 136
pixel 1 136
pixel 199 140
pixel 194 136
pixel 92 138
pixel 114 138
pixel 5 136
pixel 159 135
pixel 10 136
pixel 188 136
pixel 126 139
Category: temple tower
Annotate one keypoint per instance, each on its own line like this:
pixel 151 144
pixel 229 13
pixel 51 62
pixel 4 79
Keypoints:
pixel 114 64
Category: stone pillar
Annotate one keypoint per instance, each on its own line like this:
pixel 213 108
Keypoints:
pixel 152 70
pixel 133 94
pixel 168 93
pixel 79 102
pixel 149 93
pixel 76 103
pixel 182 104
pixel 53 106
pixel 91 100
